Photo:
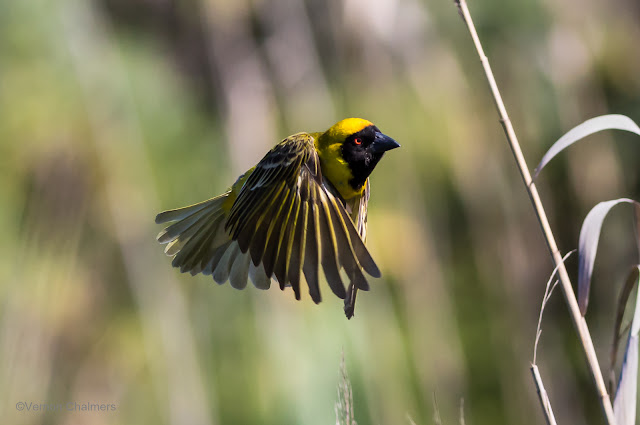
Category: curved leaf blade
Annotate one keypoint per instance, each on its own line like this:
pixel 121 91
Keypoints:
pixel 594 125
pixel 624 404
pixel 588 246
pixel 623 300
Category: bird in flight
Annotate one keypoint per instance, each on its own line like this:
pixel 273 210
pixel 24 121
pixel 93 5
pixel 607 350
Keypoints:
pixel 302 208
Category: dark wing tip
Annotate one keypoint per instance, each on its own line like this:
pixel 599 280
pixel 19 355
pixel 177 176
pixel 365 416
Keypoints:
pixel 159 218
pixel 360 282
pixel 374 271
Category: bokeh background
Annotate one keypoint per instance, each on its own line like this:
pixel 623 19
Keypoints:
pixel 112 110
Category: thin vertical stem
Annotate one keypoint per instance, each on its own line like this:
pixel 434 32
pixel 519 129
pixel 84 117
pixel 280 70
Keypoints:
pixel 578 321
pixel 542 396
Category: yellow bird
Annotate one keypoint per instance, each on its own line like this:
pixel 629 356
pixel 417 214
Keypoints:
pixel 304 205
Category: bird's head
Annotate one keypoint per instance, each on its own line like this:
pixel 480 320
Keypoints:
pixel 349 152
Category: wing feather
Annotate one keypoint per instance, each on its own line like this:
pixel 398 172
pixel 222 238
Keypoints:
pixel 360 250
pixel 258 276
pixel 275 232
pixel 175 244
pixel 221 272
pixel 181 213
pixel 176 229
pixel 328 244
pixel 281 258
pixel 287 240
pixel 358 208
pixel 199 254
pixel 192 246
pixel 346 254
pixel 215 259
pixel 310 263
pixel 239 274
pixel 298 249
pixel 210 246
pixel 265 223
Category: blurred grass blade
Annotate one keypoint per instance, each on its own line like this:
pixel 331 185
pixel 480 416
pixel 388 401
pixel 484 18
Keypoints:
pixel 437 420
pixel 594 125
pixel 344 405
pixel 617 329
pixel 637 223
pixel 624 405
pixel 588 246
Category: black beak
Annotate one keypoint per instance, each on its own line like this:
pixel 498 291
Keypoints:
pixel 383 143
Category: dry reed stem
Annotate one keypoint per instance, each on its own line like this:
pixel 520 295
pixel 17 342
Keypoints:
pixel 545 403
pixel 578 321
pixel 545 299
pixel 542 396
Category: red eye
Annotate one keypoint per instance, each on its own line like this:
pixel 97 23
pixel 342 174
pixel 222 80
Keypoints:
pixel 357 141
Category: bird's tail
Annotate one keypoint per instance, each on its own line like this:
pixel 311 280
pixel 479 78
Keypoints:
pixel 199 243
pixel 350 301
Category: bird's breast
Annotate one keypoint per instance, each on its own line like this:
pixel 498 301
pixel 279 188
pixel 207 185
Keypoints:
pixel 337 171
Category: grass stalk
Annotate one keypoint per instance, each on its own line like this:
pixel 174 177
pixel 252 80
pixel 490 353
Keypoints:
pixel 542 396
pixel 578 320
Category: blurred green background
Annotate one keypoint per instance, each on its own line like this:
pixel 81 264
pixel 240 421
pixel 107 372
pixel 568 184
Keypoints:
pixel 113 110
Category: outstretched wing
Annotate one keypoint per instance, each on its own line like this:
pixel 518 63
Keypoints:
pixel 288 221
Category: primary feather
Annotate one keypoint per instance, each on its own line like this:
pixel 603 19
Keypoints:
pixel 302 208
